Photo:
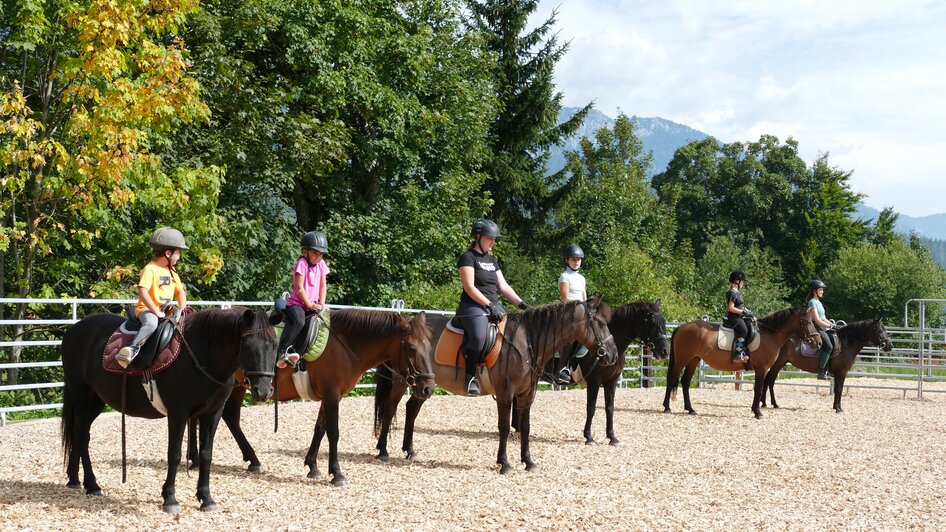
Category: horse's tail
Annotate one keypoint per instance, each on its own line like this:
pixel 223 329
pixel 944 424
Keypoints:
pixel 383 382
pixel 67 423
pixel 671 359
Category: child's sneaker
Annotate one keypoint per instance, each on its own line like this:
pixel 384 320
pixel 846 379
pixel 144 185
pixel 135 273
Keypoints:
pixel 287 358
pixel 127 354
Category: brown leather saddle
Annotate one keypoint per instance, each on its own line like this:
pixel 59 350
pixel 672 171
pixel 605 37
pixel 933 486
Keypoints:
pixel 158 352
pixel 448 347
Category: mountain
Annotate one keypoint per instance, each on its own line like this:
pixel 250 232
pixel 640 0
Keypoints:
pixel 661 137
pixel 932 226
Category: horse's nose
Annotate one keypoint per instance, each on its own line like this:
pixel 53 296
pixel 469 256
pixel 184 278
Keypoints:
pixel 426 391
pixel 261 392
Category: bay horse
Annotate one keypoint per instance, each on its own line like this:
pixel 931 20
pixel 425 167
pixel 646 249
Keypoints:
pixel 852 339
pixel 530 340
pixel 215 343
pixel 639 320
pixel 696 340
pixel 358 341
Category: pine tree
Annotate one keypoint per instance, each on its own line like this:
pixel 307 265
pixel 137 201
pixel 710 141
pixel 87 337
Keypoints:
pixel 527 124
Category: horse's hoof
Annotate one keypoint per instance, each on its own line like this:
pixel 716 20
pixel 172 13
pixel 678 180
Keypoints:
pixel 505 469
pixel 591 443
pixel 339 481
pixel 314 474
pixel 838 411
pixel 532 468
pixel 759 415
pixel 691 411
pixel 255 468
pixel 192 466
pixel 97 492
pixel 666 410
pixel 614 442
pixel 208 507
pixel 75 486
pixel 411 455
pixel 774 406
pixel 172 509
pixel 383 458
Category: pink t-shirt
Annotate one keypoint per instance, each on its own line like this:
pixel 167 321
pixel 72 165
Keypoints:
pixel 312 279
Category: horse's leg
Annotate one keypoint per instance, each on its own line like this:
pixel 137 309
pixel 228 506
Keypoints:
pixel 192 458
pixel 610 389
pixel 838 390
pixel 208 428
pixel 84 412
pixel 673 377
pixel 515 417
pixel 231 416
pixel 591 399
pixel 413 408
pixel 758 389
pixel 177 424
pixel 524 428
pixel 770 379
pixel 312 454
pixel 688 372
pixel 387 415
pixel 504 410
pixel 331 419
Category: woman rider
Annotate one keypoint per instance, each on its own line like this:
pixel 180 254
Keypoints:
pixel 822 324
pixel 737 316
pixel 482 281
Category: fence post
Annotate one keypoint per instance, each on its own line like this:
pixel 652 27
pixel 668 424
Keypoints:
pixel 647 370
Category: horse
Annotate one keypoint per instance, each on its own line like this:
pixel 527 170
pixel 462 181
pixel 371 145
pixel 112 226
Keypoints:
pixel 698 340
pixel 358 341
pixel 196 384
pixel 853 338
pixel 530 340
pixel 641 319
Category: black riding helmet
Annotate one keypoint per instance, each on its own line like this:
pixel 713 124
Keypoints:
pixel 315 240
pixel 485 227
pixel 816 284
pixel 737 275
pixel 572 250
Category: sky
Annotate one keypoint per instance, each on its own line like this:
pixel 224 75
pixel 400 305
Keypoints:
pixel 861 80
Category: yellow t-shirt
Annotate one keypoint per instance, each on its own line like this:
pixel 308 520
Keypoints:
pixel 160 282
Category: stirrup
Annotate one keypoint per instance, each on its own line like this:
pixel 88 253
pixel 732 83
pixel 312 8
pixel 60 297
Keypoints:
pixel 473 387
pixel 127 354
pixel 564 375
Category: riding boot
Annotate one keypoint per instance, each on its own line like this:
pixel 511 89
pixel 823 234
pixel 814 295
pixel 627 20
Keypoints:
pixel 738 356
pixel 823 366
pixel 470 384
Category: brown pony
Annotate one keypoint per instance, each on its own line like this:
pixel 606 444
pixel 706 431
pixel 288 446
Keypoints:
pixel 697 340
pixel 852 338
pixel 358 341
pixel 530 340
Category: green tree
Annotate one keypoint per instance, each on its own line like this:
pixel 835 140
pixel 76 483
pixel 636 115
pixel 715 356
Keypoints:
pixel 89 88
pixel 526 124
pixel 883 232
pixel 765 292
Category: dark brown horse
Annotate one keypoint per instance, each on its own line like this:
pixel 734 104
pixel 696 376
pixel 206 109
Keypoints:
pixel 640 320
pixel 531 339
pixel 196 385
pixel 852 339
pixel 358 341
pixel 696 340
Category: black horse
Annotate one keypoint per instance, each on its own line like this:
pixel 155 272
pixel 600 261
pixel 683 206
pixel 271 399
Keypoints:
pixel 853 338
pixel 215 343
pixel 641 319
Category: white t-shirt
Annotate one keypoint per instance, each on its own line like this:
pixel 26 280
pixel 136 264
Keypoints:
pixel 576 284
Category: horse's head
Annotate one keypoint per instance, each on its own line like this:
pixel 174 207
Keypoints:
pixel 258 351
pixel 655 329
pixel 413 361
pixel 593 329
pixel 879 336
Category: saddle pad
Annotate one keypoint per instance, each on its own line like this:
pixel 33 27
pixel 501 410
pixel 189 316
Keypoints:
pixel 725 337
pixel 448 348
pixel 165 358
pixel 321 337
pixel 808 349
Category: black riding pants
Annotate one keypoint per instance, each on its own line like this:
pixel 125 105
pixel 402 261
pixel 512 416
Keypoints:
pixel 293 321
pixel 739 326
pixel 475 327
pixel 827 343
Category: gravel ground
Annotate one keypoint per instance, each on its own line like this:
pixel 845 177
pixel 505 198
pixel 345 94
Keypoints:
pixel 880 465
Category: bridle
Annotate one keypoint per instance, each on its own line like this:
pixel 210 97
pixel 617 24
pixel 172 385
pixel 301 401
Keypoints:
pixel 601 351
pixel 403 358
pixel 247 374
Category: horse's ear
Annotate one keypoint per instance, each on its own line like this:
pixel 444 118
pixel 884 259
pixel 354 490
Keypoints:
pixel 275 317
pixel 248 317
pixel 657 304
pixel 420 320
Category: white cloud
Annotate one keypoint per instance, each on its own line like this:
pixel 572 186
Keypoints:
pixel 862 80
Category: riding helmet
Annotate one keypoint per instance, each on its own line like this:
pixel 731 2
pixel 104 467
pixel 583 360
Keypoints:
pixel 167 238
pixel 816 284
pixel 572 250
pixel 315 240
pixel 737 275
pixel 486 228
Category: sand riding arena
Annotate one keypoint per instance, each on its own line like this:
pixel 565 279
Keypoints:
pixel 880 464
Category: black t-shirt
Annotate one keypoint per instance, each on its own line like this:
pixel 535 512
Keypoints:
pixel 485 267
pixel 736 297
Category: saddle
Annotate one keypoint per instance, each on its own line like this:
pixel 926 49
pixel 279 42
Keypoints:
pixel 809 350
pixel 313 338
pixel 157 353
pixel 448 347
pixel 725 338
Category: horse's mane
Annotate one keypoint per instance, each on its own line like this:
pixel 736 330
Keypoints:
pixel 627 312
pixel 206 325
pixel 777 319
pixel 543 323
pixel 365 323
pixel 857 330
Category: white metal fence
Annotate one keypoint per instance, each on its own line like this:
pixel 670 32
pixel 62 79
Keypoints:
pixel 918 357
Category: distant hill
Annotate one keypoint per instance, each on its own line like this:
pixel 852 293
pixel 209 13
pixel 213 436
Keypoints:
pixel 932 226
pixel 660 136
